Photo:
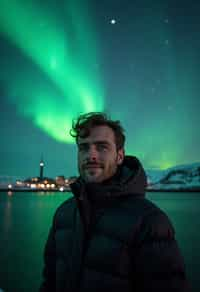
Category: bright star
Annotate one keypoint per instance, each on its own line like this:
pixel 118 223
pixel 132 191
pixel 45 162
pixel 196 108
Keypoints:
pixel 113 21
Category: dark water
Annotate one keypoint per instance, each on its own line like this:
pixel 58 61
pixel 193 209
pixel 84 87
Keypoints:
pixel 26 217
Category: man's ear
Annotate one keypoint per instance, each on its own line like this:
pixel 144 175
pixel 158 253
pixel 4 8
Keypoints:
pixel 120 156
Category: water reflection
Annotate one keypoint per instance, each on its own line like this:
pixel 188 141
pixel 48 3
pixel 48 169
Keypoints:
pixel 25 219
pixel 7 219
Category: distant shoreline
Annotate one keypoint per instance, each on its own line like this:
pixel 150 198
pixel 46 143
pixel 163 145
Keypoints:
pixel 174 190
pixel 34 190
pixel 68 190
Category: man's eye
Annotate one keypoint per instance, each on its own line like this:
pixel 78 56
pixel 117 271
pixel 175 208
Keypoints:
pixel 83 147
pixel 102 147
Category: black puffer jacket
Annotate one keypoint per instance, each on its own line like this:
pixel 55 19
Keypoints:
pixel 108 237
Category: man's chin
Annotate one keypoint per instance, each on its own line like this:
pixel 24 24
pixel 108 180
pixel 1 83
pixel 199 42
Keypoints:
pixel 94 177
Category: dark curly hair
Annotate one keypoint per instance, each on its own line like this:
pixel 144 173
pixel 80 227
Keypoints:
pixel 84 123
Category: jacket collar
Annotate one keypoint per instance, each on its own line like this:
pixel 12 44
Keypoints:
pixel 130 179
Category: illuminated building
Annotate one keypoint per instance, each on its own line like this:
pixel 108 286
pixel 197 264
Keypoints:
pixel 40 182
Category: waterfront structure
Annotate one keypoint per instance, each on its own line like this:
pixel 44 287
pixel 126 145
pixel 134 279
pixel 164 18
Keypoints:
pixel 60 180
pixel 41 169
pixel 39 183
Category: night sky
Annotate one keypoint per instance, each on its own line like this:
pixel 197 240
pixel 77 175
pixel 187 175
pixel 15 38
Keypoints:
pixel 137 60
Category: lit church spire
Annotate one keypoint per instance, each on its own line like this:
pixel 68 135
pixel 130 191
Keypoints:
pixel 41 168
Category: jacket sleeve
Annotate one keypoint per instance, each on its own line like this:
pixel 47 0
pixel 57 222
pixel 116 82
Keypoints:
pixel 157 264
pixel 49 271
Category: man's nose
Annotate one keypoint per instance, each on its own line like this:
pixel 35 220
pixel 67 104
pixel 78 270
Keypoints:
pixel 92 153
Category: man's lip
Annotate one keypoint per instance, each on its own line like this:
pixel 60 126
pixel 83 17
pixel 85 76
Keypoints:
pixel 93 166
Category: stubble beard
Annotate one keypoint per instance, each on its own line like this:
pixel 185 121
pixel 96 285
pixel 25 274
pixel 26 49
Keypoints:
pixel 98 175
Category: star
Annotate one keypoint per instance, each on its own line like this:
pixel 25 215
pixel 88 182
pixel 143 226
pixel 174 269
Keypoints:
pixel 170 108
pixel 113 21
pixel 166 20
pixel 158 81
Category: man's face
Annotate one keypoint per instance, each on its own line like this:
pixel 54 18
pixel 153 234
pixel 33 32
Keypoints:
pixel 98 157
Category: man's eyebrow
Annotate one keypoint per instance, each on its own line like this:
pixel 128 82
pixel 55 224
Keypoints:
pixel 95 142
pixel 101 142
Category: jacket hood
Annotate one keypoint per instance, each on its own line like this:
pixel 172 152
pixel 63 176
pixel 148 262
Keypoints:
pixel 130 179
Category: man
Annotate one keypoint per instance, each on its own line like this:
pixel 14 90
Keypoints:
pixel 108 237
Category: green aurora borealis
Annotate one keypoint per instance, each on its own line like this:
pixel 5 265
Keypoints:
pixel 65 62
pixel 62 58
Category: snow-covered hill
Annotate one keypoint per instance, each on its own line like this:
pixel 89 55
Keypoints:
pixel 182 177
